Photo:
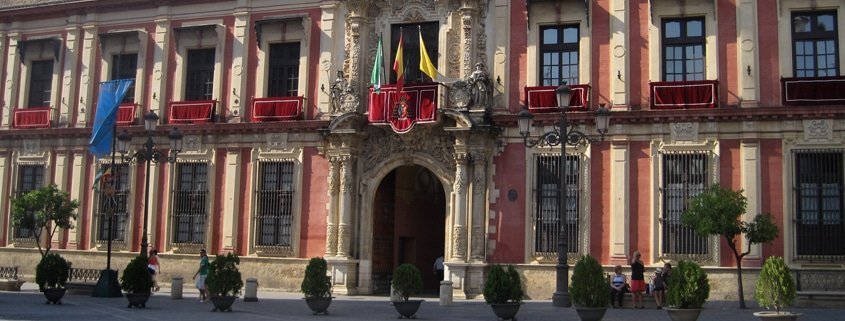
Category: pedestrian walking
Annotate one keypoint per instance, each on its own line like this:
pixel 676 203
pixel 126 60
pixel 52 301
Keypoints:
pixel 201 274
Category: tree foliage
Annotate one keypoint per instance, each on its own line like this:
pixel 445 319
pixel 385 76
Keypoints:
pixel 689 287
pixel 136 276
pixel 718 211
pixel 589 285
pixel 52 272
pixel 224 277
pixel 503 286
pixel 316 284
pixel 44 211
pixel 775 288
pixel 407 280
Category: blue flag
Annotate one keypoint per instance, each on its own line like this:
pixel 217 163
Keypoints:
pixel 111 94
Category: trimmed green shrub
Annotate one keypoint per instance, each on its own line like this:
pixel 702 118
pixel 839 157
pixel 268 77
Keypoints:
pixel 589 285
pixel 52 272
pixel 316 284
pixel 407 280
pixel 136 277
pixel 689 286
pixel 503 286
pixel 224 278
pixel 775 287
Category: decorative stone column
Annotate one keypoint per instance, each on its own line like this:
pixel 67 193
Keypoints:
pixel 68 96
pixel 331 216
pixel 467 16
pixel 158 92
pixel 479 206
pixel 344 228
pixel 13 71
pixel 343 268
pixel 459 232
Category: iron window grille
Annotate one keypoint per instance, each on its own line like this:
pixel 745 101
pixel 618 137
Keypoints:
pixel 683 49
pixel 684 176
pixel 199 84
pixel 124 66
pixel 818 219
pixel 559 53
pixel 40 83
pixel 190 203
pixel 118 204
pixel 814 44
pixel 547 205
pixel 30 178
pixel 274 214
pixel 284 70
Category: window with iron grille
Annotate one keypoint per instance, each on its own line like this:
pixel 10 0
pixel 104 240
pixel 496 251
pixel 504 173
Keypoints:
pixel 411 52
pixel 112 208
pixel 547 204
pixel 274 199
pixel 124 66
pixel 190 203
pixel 30 178
pixel 40 83
pixel 819 223
pixel 284 70
pixel 199 75
pixel 559 55
pixel 814 44
pixel 684 177
pixel 683 49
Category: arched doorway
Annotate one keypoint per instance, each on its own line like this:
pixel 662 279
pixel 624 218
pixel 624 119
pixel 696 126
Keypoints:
pixel 409 218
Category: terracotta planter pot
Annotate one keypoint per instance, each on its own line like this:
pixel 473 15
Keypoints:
pixel 138 300
pixel 407 309
pixel 506 311
pixel 54 295
pixel 319 305
pixel 223 303
pixel 683 314
pixel 774 316
pixel 591 314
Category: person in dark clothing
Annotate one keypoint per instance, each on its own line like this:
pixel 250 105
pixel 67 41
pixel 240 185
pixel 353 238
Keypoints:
pixel 637 280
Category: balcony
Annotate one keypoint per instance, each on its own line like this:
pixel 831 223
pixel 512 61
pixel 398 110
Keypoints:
pixel 192 112
pixel 32 117
pixel 684 94
pixel 542 99
pixel 127 114
pixel 388 107
pixel 813 91
pixel 277 109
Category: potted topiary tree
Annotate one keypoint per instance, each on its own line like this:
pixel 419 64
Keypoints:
pixel 137 282
pixel 317 286
pixel 589 289
pixel 51 275
pixel 688 291
pixel 407 281
pixel 224 281
pixel 775 290
pixel 503 291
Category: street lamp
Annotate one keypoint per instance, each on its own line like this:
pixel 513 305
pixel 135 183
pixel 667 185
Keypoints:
pixel 149 154
pixel 561 136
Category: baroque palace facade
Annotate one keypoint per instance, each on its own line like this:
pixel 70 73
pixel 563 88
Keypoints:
pixel 288 154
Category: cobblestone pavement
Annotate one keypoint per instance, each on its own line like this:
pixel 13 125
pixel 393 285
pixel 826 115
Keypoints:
pixel 29 304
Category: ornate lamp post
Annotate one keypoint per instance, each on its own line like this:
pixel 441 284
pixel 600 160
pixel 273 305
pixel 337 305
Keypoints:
pixel 149 154
pixel 561 136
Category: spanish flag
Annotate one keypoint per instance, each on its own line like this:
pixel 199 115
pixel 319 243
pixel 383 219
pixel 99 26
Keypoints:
pixel 425 62
pixel 399 64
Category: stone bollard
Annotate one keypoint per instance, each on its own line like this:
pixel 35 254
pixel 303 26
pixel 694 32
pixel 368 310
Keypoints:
pixel 176 287
pixel 445 292
pixel 251 292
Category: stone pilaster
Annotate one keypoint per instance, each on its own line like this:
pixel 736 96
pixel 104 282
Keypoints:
pixel 468 13
pixel 242 32
pixel 750 175
pixel 332 217
pixel 619 199
pixel 13 71
pixel 231 190
pixel 619 54
pixel 157 100
pixel 459 233
pixel 746 22
pixel 479 207
pixel 86 75
pixel 68 96
pixel 344 227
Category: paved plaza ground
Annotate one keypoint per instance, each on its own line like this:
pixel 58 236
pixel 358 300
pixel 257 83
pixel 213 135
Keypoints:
pixel 29 304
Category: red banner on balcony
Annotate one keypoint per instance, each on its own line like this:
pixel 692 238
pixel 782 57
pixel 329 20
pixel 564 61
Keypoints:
pixel 543 99
pixel 415 104
pixel 684 94
pixel 126 114
pixel 813 91
pixel 32 117
pixel 277 108
pixel 191 112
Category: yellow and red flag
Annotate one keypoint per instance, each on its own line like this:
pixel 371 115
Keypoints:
pixel 399 64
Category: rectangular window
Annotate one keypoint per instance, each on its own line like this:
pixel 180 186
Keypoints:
pixel 683 49
pixel 112 205
pixel 40 83
pixel 819 222
pixel 559 55
pixel 684 177
pixel 814 44
pixel 284 70
pixel 124 66
pixel 547 204
pixel 199 75
pixel 274 200
pixel 411 53
pixel 190 203
pixel 30 178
